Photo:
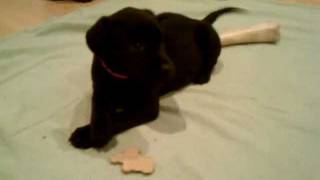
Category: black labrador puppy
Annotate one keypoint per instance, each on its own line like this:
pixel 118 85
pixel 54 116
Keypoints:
pixel 138 57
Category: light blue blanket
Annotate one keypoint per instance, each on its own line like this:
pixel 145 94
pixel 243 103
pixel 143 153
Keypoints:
pixel 258 119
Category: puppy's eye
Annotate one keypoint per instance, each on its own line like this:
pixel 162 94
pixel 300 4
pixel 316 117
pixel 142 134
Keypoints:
pixel 139 46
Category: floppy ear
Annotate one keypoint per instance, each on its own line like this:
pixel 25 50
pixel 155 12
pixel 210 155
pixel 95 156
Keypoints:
pixel 97 34
pixel 148 11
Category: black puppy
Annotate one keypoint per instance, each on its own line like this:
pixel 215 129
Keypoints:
pixel 139 57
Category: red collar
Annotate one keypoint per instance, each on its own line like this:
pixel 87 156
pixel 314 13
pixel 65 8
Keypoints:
pixel 110 71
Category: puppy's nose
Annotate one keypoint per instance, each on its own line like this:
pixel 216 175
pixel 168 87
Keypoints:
pixel 137 47
pixel 140 46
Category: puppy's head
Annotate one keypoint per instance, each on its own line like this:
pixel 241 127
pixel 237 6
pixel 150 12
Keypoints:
pixel 129 42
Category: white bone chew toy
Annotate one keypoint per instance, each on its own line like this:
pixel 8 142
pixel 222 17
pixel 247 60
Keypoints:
pixel 261 33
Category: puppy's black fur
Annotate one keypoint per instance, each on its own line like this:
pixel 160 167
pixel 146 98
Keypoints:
pixel 156 54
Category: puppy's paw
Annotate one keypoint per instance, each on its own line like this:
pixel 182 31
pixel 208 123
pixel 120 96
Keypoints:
pixel 202 79
pixel 80 138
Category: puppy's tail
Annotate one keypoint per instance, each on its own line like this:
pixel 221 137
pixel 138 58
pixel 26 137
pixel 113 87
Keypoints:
pixel 212 17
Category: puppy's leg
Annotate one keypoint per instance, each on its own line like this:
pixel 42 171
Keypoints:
pixel 99 132
pixel 103 127
pixel 146 113
pixel 210 48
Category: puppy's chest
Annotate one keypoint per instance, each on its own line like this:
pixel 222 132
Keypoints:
pixel 124 100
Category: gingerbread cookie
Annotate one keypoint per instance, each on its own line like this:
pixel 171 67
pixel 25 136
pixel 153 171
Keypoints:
pixel 133 161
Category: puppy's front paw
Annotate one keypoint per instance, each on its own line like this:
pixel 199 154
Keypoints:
pixel 80 138
pixel 202 79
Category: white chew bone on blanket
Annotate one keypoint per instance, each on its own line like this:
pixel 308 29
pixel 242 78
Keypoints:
pixel 132 161
pixel 262 33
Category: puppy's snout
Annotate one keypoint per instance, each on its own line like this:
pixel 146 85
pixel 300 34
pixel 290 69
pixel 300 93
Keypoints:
pixel 168 71
pixel 167 68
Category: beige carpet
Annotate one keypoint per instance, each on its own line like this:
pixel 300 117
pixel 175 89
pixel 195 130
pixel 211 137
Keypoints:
pixel 17 15
pixel 21 14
